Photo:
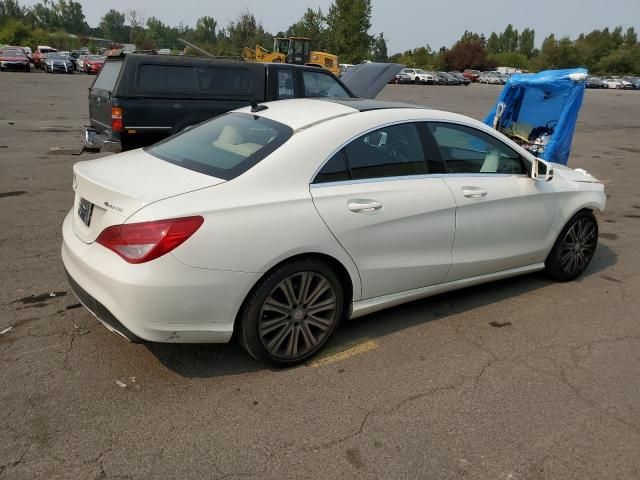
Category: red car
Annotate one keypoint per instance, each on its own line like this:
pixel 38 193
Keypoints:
pixel 472 75
pixel 14 59
pixel 93 64
pixel 37 57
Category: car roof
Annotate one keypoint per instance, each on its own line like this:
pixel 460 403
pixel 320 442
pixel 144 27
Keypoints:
pixel 302 113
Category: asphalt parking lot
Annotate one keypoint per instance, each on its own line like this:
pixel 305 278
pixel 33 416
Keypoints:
pixel 519 379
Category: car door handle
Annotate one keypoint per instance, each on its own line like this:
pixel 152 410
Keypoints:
pixel 471 192
pixel 364 206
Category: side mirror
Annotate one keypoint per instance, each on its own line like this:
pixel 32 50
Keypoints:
pixel 541 170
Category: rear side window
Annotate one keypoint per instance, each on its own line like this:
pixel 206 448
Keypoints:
pixel 224 80
pixel 108 76
pixel 319 84
pixel 335 170
pixel 219 80
pixel 393 151
pixel 224 147
pixel 167 78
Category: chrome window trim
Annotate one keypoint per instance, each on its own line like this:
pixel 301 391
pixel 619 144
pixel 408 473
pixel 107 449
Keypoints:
pixel 417 177
pixel 148 128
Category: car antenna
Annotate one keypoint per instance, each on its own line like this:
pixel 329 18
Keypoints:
pixel 256 107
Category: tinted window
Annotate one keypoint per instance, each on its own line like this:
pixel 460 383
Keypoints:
pixel 285 84
pixel 392 151
pixel 224 147
pixel 108 75
pixel 467 150
pixel 167 78
pixel 319 84
pixel 334 170
pixel 224 80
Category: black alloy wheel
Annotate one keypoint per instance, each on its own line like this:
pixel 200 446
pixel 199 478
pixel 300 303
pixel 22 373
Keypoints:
pixel 574 248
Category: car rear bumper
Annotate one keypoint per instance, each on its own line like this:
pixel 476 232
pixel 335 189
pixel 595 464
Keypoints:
pixel 159 301
pixel 95 140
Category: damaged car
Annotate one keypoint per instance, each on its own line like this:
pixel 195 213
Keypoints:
pixel 278 221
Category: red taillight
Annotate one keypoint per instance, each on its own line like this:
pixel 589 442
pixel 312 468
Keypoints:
pixel 142 242
pixel 116 119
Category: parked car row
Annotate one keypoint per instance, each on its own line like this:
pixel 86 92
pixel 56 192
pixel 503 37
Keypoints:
pixel 626 83
pixel 50 60
pixel 421 77
pixel 493 78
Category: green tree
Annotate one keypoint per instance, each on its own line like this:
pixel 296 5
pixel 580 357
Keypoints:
pixel 630 38
pixel 71 17
pixel 11 9
pixel 526 43
pixel 349 22
pixel 205 31
pixel 379 53
pixel 112 26
pixel 313 25
pixel 493 44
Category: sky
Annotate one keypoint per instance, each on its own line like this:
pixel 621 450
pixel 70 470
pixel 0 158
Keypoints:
pixel 406 23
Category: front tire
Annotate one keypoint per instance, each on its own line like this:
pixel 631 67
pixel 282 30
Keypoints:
pixel 292 313
pixel 574 248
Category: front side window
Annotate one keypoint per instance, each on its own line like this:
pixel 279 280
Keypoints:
pixel 224 147
pixel 320 84
pixel 467 150
pixel 393 151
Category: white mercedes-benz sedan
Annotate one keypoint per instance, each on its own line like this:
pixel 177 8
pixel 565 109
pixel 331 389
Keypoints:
pixel 278 221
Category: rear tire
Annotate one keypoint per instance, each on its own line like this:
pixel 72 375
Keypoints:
pixel 291 314
pixel 574 248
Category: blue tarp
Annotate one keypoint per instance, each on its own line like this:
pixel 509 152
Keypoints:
pixel 547 99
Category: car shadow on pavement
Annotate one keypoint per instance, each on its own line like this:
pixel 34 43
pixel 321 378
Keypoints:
pixel 215 360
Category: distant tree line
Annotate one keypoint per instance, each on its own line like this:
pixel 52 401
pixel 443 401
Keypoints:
pixel 615 51
pixel 343 30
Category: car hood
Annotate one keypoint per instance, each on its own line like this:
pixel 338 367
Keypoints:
pixel 574 175
pixel 368 79
pixel 13 59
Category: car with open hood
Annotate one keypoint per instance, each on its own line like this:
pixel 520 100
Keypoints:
pixel 277 221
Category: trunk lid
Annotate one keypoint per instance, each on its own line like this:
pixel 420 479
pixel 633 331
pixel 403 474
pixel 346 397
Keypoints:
pixel 109 190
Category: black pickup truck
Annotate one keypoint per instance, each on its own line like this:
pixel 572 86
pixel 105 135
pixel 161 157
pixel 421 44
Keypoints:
pixel 139 99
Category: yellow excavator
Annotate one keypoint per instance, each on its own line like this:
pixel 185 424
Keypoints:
pixel 295 50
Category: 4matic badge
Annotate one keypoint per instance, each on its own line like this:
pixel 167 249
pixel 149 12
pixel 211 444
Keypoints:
pixel 112 207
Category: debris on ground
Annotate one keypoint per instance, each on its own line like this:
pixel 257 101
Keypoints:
pixel 6 330
pixel 121 384
pixel 73 305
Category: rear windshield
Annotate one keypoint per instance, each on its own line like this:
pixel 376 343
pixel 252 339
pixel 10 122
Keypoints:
pixel 224 80
pixel 108 75
pixel 224 147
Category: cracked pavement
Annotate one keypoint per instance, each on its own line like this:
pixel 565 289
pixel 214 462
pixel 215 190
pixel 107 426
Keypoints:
pixel 520 379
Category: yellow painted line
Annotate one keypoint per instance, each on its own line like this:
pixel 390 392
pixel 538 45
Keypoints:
pixel 341 355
